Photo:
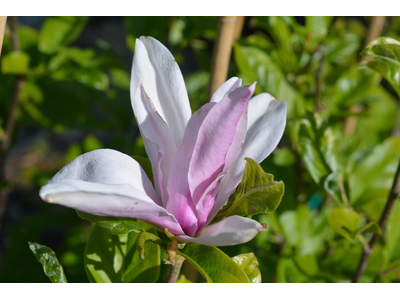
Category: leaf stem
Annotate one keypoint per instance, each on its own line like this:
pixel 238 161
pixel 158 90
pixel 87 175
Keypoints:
pixel 393 194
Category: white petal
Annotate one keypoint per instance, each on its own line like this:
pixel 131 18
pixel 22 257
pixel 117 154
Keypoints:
pixel 233 230
pixel 226 88
pixel 112 200
pixel 158 140
pixel 265 126
pixel 155 68
pixel 106 166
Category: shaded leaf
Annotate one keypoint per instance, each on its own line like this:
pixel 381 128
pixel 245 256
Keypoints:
pixel 115 258
pixel 51 266
pixel 344 220
pixel 145 237
pixel 115 225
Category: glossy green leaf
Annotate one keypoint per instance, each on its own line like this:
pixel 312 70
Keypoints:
pixel 257 193
pixel 385 52
pixel 59 31
pixel 115 225
pixel 249 264
pixel 183 279
pixel 213 264
pixel 115 258
pixel 16 62
pixel 51 266
pixel 344 220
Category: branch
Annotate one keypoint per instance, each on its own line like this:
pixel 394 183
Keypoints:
pixel 393 194
pixel 222 52
pixel 175 260
pixel 3 21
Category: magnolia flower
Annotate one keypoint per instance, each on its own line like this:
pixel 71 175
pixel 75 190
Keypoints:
pixel 197 160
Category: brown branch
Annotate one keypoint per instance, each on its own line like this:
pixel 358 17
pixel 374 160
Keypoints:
pixel 10 125
pixel 173 272
pixel 393 195
pixel 3 21
pixel 222 52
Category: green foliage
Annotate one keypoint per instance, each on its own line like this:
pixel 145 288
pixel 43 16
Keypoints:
pixel 16 62
pixel 257 193
pixel 116 258
pixel 51 267
pixel 249 264
pixel 115 225
pixel 213 264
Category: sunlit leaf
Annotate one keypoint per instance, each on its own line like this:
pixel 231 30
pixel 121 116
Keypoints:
pixel 16 62
pixel 51 267
pixel 213 264
pixel 249 264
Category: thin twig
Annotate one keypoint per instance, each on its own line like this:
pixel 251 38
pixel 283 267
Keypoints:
pixel 393 195
pixel 10 125
pixel 222 52
pixel 318 75
pixel 3 21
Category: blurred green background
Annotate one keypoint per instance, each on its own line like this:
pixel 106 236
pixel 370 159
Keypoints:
pixel 341 145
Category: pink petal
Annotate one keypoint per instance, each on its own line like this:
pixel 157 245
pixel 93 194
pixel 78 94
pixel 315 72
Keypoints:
pixel 233 230
pixel 229 85
pixel 214 139
pixel 181 203
pixel 266 124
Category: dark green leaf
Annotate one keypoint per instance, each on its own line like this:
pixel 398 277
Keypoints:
pixel 249 264
pixel 51 267
pixel 213 264
pixel 257 193
pixel 115 258
pixel 116 225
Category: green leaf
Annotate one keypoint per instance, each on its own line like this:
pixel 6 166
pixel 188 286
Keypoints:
pixel 257 193
pixel 317 27
pixel 143 238
pixel 213 264
pixel 256 65
pixel 183 279
pixel 115 258
pixel 249 264
pixel 344 220
pixel 59 31
pixel 51 266
pixel 116 225
pixel 385 52
pixel 16 62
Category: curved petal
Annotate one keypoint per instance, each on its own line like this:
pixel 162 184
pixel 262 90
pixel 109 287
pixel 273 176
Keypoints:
pixel 265 127
pixel 158 140
pixel 109 167
pixel 233 230
pixel 229 85
pixel 155 68
pixel 181 204
pixel 215 138
pixel 113 200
